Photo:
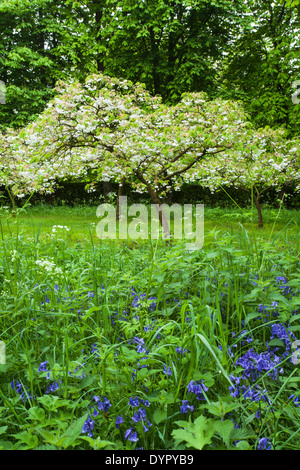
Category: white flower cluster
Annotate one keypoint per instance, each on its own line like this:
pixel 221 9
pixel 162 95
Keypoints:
pixel 49 266
pixel 14 256
pixel 59 227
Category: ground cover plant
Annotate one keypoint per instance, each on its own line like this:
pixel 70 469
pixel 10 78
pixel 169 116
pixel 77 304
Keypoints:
pixel 143 345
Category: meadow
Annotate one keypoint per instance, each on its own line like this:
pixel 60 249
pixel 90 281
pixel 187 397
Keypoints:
pixel 142 345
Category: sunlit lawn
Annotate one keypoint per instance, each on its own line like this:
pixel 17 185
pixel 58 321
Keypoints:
pixel 81 221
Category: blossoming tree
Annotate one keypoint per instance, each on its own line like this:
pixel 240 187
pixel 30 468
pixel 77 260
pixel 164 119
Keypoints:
pixel 111 129
pixel 267 160
pixel 115 130
pixel 19 179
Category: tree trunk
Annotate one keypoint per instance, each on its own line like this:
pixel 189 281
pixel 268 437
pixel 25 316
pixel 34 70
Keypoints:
pixel 120 193
pixel 106 189
pixel 99 59
pixel 156 200
pixel 155 62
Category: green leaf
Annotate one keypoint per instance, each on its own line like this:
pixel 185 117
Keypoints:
pixel 52 402
pixel 31 441
pixel 3 429
pixel 224 429
pixel 98 444
pixel 243 445
pixel 6 445
pixel 159 416
pixel 221 408
pixel 196 435
pixel 36 413
pixel 73 432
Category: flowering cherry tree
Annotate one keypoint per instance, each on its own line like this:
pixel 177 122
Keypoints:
pixel 111 129
pixel 266 160
pixel 18 174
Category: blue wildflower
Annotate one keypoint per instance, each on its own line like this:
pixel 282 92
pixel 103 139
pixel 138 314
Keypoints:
pixel 88 426
pixel 183 351
pixel 43 367
pixel 185 407
pixel 264 444
pixel 131 435
pixel 139 415
pixel 52 387
pixel 119 421
pixel 145 402
pixel 167 370
pixel 103 405
pixel 148 424
pixel 197 388
pixel 296 400
pixel 134 402
pixel 140 345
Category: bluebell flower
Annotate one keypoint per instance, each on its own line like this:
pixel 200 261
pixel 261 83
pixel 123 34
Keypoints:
pixel 234 389
pixel 134 402
pixel 103 405
pixel 255 364
pixel 136 303
pixel 52 387
pixel 264 444
pixel 131 435
pixel 197 388
pixel 94 350
pixel 18 387
pixel 140 345
pixel 282 280
pixel 88 426
pixel 149 424
pixel 43 367
pixel 179 350
pixel 261 308
pixel 167 370
pixel 185 407
pixel 139 415
pixel 21 390
pixel 279 331
pixel 119 421
pixel 80 314
pixel 296 400
pixel 255 277
pixel 145 402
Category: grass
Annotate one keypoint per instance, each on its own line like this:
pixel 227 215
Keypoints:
pixel 131 345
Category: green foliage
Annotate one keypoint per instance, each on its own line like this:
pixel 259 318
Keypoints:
pixel 171 46
pixel 71 344
pixel 264 63
pixel 196 435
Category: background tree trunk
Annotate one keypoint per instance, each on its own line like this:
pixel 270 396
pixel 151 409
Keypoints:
pixel 120 193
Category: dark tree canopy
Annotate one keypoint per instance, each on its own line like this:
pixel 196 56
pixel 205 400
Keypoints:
pixel 232 49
